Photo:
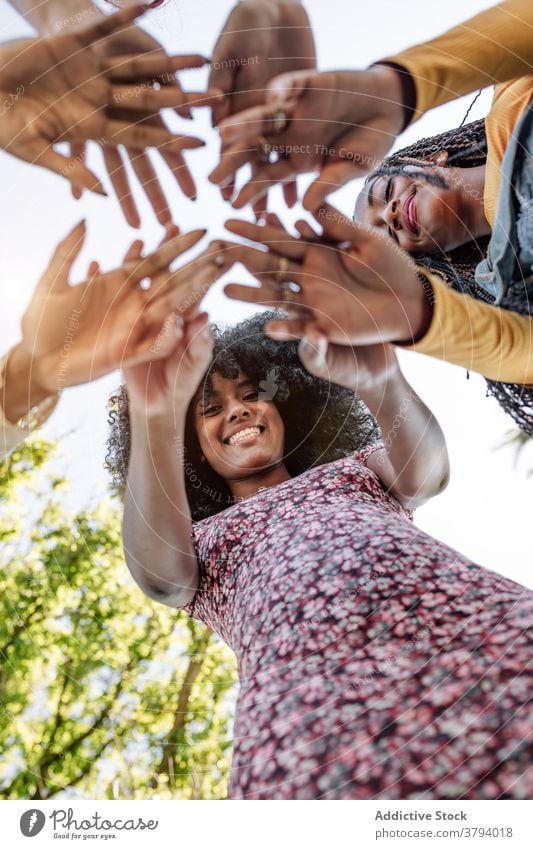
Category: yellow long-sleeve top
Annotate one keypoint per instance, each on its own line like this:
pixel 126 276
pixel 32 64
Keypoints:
pixel 490 48
pixel 493 47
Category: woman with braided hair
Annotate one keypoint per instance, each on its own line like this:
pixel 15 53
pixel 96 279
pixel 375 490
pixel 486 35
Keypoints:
pixel 447 174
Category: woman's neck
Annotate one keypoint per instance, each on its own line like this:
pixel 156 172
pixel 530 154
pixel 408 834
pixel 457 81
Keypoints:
pixel 245 487
pixel 471 184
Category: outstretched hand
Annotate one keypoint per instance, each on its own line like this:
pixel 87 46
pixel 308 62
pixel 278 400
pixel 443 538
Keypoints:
pixel 339 123
pixel 355 284
pixel 59 88
pixel 280 39
pixel 75 334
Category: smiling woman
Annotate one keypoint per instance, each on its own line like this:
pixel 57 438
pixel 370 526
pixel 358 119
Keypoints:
pixel 426 208
pixel 292 405
pixel 358 637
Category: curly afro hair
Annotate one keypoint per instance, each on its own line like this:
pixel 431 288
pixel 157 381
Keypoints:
pixel 323 422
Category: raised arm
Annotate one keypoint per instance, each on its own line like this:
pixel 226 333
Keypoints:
pixel 413 466
pixel 492 47
pixel 157 521
pixel 343 123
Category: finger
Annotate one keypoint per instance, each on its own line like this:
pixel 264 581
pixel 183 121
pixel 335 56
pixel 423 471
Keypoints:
pixel 264 177
pixel 70 167
pixel 176 162
pixel 312 352
pixel 253 122
pixel 306 231
pixel 264 295
pixel 260 208
pixel 331 178
pixel 150 100
pixel 336 227
pixel 149 180
pixel 146 67
pixel 290 193
pixel 288 330
pixel 140 135
pixel 110 25
pixel 164 255
pixel 265 264
pixel 273 220
pixel 134 251
pixel 121 185
pixel 57 274
pixel 161 338
pixel 223 75
pixel 231 160
pixel 275 238
pixel 94 269
pixel 77 150
pixel 192 282
pixel 289 87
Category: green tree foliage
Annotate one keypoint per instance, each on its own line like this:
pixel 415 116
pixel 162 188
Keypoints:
pixel 103 693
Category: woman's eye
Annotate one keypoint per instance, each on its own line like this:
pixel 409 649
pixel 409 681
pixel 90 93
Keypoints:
pixel 393 235
pixel 388 189
pixel 251 396
pixel 209 411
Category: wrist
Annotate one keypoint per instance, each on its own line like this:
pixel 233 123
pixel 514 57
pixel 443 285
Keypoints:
pixel 389 92
pixel 161 415
pixel 23 385
pixel 401 87
pixel 416 314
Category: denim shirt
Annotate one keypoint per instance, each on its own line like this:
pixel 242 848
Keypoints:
pixel 507 272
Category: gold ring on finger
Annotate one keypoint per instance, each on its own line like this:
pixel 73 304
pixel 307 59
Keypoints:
pixel 288 295
pixel 280 120
pixel 264 149
pixel 282 269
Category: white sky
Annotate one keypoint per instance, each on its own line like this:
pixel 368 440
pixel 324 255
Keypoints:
pixel 485 511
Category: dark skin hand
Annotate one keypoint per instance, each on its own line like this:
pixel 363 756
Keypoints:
pixel 134 42
pixel 352 283
pixel 278 38
pixel 340 123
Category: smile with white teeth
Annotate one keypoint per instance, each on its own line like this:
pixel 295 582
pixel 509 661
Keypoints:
pixel 241 435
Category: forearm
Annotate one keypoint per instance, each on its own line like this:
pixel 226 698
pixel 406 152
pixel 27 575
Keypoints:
pixel 51 16
pixel 414 466
pixel 492 47
pixel 157 523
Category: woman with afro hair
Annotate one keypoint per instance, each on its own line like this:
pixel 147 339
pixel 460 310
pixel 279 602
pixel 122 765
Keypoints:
pixel 262 499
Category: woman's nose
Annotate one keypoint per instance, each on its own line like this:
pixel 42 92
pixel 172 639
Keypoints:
pixel 391 214
pixel 238 411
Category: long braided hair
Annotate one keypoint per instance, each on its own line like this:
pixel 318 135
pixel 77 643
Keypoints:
pixel 467 148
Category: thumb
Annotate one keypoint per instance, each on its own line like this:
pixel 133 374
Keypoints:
pixel 70 167
pixel 312 351
pixel 290 86
pixel 336 227
pixel 56 277
pixel 331 178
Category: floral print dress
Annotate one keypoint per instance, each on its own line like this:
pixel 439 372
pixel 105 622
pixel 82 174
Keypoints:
pixel 374 661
